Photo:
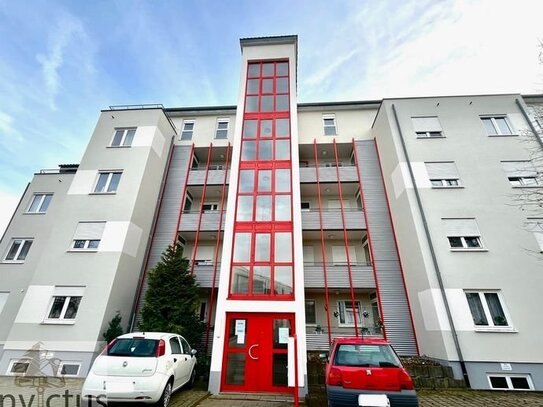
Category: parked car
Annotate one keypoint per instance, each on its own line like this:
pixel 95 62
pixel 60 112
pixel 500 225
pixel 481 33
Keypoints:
pixel 367 372
pixel 141 367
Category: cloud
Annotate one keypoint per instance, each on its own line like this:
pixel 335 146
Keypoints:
pixel 68 30
pixel 8 134
pixel 8 203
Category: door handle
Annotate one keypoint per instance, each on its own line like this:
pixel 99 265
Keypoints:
pixel 250 349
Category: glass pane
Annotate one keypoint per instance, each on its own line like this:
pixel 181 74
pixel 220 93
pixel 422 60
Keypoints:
pixel 242 247
pixel 310 312
pixel 45 203
pixel 254 70
pixel 262 247
pixel 235 368
pixel 520 383
pixel 281 128
pixel 261 279
pixel 73 306
pixel 281 103
pixel 455 242
pixel 240 280
pixel 233 341
pixel 70 370
pixel 472 241
pixel 36 200
pixel 245 208
pixel 496 310
pixel 117 138
pixel 264 208
pixel 246 180
pixel 282 208
pixel 476 308
pixel 498 382
pixel 264 180
pixel 252 86
pixel 188 126
pixel 251 104
pixel 267 86
pixel 329 130
pixel 282 69
pixel 282 149
pixel 249 129
pixel 267 69
pixel 283 280
pixel 248 151
pixel 281 332
pixel 280 371
pixel 114 182
pixel 502 125
pixel 265 150
pixel 79 244
pixel 283 247
pixel 24 250
pixel 14 248
pixel 101 184
pixel 266 128
pixel 56 308
pixel 129 137
pixel 282 180
pixel 267 104
pixel 20 367
pixel 93 244
pixel 282 85
pixel 489 126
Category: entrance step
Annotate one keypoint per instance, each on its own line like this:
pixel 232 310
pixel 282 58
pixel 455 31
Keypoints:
pixel 259 397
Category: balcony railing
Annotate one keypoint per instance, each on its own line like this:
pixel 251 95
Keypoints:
pixel 210 221
pixel 317 339
pixel 337 275
pixel 203 272
pixel 328 174
pixel 197 176
pixel 331 219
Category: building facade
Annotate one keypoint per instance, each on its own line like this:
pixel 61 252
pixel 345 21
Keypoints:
pixel 409 219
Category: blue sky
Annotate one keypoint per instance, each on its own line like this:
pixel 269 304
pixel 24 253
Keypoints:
pixel 63 61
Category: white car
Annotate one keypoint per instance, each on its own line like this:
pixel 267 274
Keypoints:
pixel 141 367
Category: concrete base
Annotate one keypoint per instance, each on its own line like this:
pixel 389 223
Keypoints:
pixel 48 361
pixel 478 372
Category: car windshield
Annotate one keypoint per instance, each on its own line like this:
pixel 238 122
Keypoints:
pixel 366 356
pixel 136 347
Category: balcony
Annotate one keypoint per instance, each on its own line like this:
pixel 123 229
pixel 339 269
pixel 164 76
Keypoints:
pixel 210 221
pixel 317 340
pixel 338 275
pixel 331 219
pixel 203 272
pixel 215 177
pixel 328 174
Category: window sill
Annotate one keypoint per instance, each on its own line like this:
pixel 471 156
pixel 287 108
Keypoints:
pixel 57 322
pixel 526 186
pixel 102 193
pixel 502 135
pixel 507 329
pixel 34 213
pixel 429 138
pixel 451 187
pixel 12 262
pixel 118 146
pixel 469 250
pixel 82 250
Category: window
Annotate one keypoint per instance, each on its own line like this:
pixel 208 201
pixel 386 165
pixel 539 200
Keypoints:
pixel 39 203
pixel 188 130
pixel 64 305
pixel 329 124
pixel 510 382
pixel 520 173
pixel 346 314
pixel 310 312
pixel 222 129
pixel 463 234
pixel 443 174
pixel 497 126
pixel 175 346
pixel 69 368
pixel 19 367
pixel 210 207
pixel 487 309
pixel 18 250
pixel 123 137
pixel 427 127
pixel 535 225
pixel 306 206
pixel 87 236
pixel 107 183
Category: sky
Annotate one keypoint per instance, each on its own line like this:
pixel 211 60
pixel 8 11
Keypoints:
pixel 61 62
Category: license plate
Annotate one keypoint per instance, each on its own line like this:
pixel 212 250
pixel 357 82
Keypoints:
pixel 119 387
pixel 373 400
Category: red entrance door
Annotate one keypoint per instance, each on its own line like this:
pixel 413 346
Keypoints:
pixel 255 352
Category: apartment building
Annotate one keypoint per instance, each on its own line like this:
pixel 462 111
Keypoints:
pixel 395 218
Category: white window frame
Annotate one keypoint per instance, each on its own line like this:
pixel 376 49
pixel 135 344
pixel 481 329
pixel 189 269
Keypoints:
pixel 214 207
pixel 86 245
pixel 108 182
pixel 490 327
pixel 125 131
pixel 19 250
pixel 358 313
pixel 315 308
pixel 430 134
pixel 185 131
pixel 495 125
pixel 61 320
pixel 446 183
pixel 66 362
pixel 325 126
pixel 217 129
pixel 464 243
pixel 12 362
pixel 41 196
pixel 509 383
pixel 522 182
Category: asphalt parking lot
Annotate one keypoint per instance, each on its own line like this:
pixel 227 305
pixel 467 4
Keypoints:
pixel 15 392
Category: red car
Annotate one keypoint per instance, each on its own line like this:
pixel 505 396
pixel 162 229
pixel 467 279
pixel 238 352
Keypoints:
pixel 367 372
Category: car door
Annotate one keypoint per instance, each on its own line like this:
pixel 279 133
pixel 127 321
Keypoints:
pixel 190 359
pixel 178 362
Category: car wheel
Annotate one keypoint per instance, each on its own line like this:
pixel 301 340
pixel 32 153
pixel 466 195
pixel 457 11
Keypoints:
pixel 166 396
pixel 192 379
